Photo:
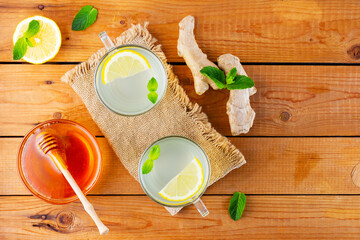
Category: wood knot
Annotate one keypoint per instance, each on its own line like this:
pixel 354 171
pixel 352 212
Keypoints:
pixel 67 38
pixel 285 116
pixel 122 22
pixel 65 219
pixel 354 52
pixel 39 216
pixel 49 82
pixel 57 115
pixel 41 7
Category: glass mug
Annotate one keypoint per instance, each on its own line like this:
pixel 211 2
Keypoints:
pixel 127 96
pixel 175 154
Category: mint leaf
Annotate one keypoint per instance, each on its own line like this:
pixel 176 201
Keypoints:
pixel 153 155
pixel 152 96
pixel 241 82
pixel 152 85
pixel 84 18
pixel 215 74
pixel 28 42
pixel 231 76
pixel 147 167
pixel 33 28
pixel 22 43
pixel 19 49
pixel 237 205
pixel 154 152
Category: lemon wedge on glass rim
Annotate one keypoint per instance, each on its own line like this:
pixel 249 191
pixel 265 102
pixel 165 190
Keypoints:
pixel 124 63
pixel 186 184
pixel 46 42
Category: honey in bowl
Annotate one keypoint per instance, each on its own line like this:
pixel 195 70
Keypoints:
pixel 40 174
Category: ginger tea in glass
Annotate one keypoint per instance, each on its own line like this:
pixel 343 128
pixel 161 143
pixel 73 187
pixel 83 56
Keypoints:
pixel 179 176
pixel 122 77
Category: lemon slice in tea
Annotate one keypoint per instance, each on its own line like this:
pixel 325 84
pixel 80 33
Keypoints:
pixel 46 43
pixel 186 184
pixel 124 63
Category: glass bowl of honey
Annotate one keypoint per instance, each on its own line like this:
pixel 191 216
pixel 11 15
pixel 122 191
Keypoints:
pixel 40 174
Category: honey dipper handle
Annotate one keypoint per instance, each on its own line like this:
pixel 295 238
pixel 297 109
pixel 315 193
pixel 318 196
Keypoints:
pixel 87 205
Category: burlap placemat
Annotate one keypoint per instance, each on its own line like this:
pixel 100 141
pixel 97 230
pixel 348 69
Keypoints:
pixel 174 115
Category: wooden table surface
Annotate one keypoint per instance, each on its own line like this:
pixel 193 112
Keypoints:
pixel 304 58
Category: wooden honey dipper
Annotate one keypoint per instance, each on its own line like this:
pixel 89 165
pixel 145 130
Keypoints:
pixel 50 147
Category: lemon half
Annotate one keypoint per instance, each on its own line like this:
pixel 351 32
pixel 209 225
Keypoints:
pixel 186 184
pixel 124 63
pixel 46 42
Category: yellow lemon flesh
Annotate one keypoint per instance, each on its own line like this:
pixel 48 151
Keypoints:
pixel 46 43
pixel 122 64
pixel 186 184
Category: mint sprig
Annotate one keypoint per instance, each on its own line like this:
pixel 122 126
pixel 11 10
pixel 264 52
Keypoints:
pixel 147 167
pixel 22 43
pixel 28 42
pixel 240 82
pixel 152 87
pixel 215 74
pixel 237 205
pixel 84 18
pixel 19 49
pixel 154 152
pixel 232 81
pixel 149 163
pixel 33 28
pixel 231 76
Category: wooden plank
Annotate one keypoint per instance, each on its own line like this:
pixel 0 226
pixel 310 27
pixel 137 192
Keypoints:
pixel 258 31
pixel 31 94
pixel 134 217
pixel 291 100
pixel 274 166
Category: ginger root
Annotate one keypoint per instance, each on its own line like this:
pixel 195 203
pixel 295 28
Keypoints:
pixel 241 115
pixel 194 57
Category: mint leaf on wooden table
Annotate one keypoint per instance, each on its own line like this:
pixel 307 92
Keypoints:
pixel 149 164
pixel 231 76
pixel 237 205
pixel 84 18
pixel 241 82
pixel 215 74
pixel 22 43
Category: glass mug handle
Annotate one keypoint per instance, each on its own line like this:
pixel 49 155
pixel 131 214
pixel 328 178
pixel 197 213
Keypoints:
pixel 106 40
pixel 200 206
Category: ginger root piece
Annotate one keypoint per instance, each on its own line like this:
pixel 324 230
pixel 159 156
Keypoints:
pixel 194 57
pixel 241 115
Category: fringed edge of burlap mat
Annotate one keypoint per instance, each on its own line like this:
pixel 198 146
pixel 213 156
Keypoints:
pixel 193 110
